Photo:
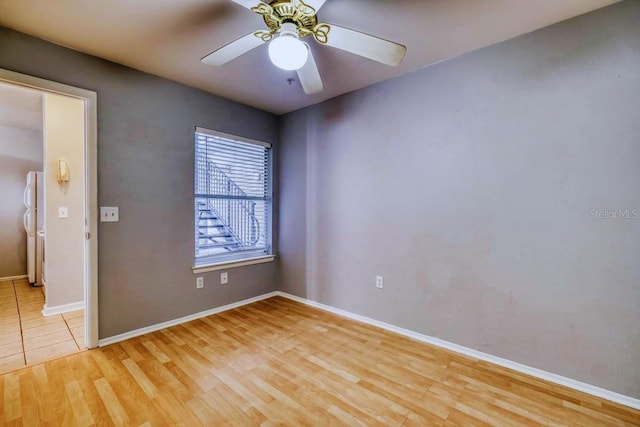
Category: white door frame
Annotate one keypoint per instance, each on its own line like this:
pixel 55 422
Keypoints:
pixel 90 99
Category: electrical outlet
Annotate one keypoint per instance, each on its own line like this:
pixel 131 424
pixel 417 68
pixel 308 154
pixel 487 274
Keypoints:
pixel 199 282
pixel 224 278
pixel 109 214
pixel 379 282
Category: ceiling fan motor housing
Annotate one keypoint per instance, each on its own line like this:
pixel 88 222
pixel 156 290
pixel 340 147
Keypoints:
pixel 284 11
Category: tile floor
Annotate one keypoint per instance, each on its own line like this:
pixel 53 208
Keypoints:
pixel 26 336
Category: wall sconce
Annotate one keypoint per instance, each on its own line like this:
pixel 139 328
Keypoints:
pixel 63 171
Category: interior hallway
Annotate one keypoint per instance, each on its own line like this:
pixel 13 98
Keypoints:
pixel 26 336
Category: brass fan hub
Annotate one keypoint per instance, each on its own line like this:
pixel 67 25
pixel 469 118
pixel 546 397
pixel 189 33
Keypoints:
pixel 294 12
pixel 286 11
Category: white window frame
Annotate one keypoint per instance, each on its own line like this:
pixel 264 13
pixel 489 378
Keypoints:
pixel 232 259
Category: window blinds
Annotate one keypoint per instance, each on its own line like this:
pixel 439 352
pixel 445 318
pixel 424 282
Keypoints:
pixel 232 197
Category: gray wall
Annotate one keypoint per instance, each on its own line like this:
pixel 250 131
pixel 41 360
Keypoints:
pixel 145 161
pixel 469 186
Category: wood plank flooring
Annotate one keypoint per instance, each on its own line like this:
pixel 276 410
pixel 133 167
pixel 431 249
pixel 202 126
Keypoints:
pixel 26 336
pixel 278 362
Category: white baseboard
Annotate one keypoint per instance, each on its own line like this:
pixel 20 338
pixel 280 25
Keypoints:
pixel 9 278
pixel 136 333
pixel 534 372
pixel 59 309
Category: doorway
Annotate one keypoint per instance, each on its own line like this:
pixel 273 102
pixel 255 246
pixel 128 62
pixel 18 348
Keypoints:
pixel 71 193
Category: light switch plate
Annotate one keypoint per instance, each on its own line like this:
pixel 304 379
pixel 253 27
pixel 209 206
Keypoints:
pixel 63 212
pixel 109 214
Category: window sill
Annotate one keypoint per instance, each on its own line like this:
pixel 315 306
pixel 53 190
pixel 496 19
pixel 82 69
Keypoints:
pixel 232 264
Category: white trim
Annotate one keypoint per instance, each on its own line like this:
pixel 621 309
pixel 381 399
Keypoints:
pixel 231 264
pixel 148 329
pixel 91 228
pixel 59 309
pixel 91 188
pixel 534 372
pixel 10 278
pixel 222 135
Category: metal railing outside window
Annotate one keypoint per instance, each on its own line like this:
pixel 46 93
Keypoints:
pixel 232 197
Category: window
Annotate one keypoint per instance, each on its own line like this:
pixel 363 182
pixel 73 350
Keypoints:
pixel 232 198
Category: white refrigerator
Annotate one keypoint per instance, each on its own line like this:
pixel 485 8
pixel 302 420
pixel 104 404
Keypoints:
pixel 34 226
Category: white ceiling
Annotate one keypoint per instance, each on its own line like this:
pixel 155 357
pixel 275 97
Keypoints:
pixel 20 107
pixel 168 37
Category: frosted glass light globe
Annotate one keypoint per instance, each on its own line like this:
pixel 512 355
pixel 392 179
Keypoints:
pixel 288 53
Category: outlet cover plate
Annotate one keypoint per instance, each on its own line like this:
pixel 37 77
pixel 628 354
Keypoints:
pixel 224 278
pixel 379 282
pixel 109 214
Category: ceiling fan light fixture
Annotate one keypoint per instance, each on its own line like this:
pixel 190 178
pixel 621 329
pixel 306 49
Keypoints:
pixel 287 51
pixel 287 22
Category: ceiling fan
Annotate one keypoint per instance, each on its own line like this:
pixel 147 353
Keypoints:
pixel 287 22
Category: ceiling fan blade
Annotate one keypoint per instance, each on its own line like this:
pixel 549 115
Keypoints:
pixel 310 76
pixel 248 3
pixel 232 50
pixel 362 44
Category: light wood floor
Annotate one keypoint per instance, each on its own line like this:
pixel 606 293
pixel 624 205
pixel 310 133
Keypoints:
pixel 277 362
pixel 26 336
